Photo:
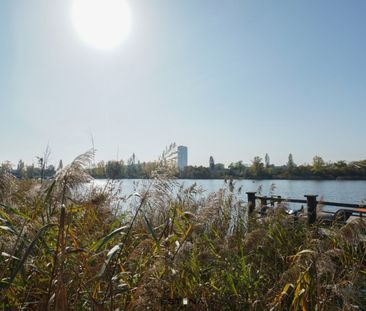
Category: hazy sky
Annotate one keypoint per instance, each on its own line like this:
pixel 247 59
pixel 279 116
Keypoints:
pixel 232 79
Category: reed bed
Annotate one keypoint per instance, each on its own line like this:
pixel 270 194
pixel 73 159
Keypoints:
pixel 67 247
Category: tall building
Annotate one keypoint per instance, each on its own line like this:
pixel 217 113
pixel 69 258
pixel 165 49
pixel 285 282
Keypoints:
pixel 182 157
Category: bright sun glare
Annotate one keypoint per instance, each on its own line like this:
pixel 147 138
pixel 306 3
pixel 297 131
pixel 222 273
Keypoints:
pixel 103 24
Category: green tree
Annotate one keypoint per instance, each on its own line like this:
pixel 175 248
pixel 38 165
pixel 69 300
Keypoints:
pixel 237 169
pixel 212 163
pixel 318 165
pixel 290 163
pixel 50 171
pixel 267 161
pixel 6 167
pixel 30 171
pixel 99 170
pixel 257 167
pixel 20 171
pixel 114 169
pixel 131 169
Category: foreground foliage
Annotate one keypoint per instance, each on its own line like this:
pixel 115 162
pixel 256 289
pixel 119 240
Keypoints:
pixel 65 245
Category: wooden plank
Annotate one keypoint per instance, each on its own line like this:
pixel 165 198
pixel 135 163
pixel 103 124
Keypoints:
pixel 356 208
pixel 341 204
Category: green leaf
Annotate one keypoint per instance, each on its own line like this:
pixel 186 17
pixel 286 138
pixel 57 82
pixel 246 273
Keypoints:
pixel 15 211
pixel 110 256
pixel 9 256
pixel 98 245
pixel 8 224
pixel 151 230
pixel 113 250
pixel 6 228
pixel 49 191
pixel 29 249
pixel 286 288
pixel 231 283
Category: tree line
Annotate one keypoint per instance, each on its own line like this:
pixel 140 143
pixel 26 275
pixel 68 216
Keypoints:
pixel 258 169
pixel 41 170
pixel 264 169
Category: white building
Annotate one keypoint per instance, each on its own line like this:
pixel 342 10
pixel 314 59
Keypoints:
pixel 182 157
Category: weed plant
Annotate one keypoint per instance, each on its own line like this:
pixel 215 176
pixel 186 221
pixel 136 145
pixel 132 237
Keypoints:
pixel 65 246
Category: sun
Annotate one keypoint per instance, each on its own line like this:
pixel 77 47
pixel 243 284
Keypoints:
pixel 102 24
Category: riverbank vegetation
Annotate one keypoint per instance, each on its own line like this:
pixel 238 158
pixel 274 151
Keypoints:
pixel 257 169
pixel 65 245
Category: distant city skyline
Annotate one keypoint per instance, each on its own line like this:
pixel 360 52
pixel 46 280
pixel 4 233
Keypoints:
pixel 230 79
pixel 181 158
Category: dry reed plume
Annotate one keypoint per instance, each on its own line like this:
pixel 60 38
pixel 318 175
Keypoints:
pixel 67 246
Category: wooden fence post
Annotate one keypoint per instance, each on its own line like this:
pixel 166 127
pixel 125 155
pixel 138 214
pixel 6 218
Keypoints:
pixel 263 201
pixel 272 201
pixel 251 201
pixel 279 202
pixel 311 203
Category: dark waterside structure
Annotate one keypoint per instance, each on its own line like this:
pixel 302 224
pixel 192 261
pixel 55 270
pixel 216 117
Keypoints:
pixel 340 215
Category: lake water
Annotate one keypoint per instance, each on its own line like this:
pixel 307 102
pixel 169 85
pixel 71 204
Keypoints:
pixel 342 191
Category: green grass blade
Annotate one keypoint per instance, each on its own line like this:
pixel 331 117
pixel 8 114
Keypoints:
pixel 98 245
pixel 29 249
pixel 151 230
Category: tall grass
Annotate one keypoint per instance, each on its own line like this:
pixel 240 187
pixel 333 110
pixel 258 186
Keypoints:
pixel 69 248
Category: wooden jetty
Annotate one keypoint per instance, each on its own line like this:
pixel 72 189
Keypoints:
pixel 345 211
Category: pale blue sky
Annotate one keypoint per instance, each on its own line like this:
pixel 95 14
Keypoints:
pixel 232 79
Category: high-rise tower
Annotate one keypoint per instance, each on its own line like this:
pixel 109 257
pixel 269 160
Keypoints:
pixel 182 157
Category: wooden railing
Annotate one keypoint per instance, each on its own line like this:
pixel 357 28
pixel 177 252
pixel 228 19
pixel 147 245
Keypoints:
pixel 311 203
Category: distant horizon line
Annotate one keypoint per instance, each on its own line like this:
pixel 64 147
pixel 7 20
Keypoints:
pixel 247 164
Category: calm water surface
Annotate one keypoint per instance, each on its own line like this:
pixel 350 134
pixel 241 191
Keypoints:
pixel 343 191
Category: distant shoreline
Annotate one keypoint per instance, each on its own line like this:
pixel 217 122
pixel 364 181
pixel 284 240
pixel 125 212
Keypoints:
pixel 253 179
